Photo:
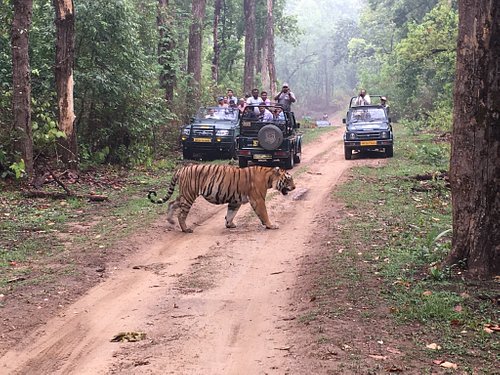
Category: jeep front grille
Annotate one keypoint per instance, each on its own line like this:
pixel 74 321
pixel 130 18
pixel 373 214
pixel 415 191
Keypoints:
pixel 368 135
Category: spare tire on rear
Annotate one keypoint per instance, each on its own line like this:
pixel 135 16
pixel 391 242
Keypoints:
pixel 270 137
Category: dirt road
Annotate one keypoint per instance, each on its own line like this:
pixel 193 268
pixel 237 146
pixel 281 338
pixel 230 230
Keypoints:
pixel 212 302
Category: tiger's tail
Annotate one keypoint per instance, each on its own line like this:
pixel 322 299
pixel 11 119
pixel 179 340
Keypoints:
pixel 152 194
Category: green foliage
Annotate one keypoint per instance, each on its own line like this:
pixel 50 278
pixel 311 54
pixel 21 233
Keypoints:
pixel 18 168
pixel 119 103
pixel 408 54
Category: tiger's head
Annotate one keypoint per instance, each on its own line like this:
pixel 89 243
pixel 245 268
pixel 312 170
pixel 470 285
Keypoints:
pixel 284 181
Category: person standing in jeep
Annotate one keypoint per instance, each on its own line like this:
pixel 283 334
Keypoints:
pixel 285 98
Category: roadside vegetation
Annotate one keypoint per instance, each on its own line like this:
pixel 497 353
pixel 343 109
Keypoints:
pixel 384 254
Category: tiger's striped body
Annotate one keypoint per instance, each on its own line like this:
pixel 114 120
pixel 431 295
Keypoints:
pixel 220 184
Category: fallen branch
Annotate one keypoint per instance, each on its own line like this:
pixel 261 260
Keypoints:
pixel 54 195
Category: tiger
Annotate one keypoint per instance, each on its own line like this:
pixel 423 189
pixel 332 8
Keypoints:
pixel 220 184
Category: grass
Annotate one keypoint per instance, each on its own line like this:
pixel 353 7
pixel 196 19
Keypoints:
pixel 35 230
pixel 401 227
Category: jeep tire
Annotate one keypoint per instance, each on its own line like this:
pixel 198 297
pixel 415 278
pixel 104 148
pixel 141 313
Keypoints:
pixel 270 137
pixel 389 151
pixel 242 162
pixel 296 157
pixel 347 153
pixel 290 161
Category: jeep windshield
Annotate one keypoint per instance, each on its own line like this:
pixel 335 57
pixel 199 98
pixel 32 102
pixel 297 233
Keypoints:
pixel 367 115
pixel 217 113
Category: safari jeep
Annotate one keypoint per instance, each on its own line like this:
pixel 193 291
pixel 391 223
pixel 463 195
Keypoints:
pixel 211 133
pixel 368 128
pixel 269 140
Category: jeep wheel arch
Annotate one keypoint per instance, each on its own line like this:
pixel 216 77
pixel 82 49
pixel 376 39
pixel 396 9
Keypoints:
pixel 270 137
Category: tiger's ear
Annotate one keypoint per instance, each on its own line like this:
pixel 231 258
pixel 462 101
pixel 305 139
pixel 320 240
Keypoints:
pixel 277 170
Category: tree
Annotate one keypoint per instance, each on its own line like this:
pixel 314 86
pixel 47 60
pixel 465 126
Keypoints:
pixel 65 51
pixel 195 48
pixel 475 158
pixel 21 81
pixel 249 70
pixel 216 56
pixel 268 67
pixel 166 46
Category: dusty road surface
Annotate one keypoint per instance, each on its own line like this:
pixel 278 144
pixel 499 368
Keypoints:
pixel 213 302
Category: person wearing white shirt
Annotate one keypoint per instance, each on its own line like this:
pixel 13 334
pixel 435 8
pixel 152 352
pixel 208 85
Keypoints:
pixel 255 99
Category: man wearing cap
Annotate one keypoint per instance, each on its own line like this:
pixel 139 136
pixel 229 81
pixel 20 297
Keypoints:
pixel 221 103
pixel 383 101
pixel 285 98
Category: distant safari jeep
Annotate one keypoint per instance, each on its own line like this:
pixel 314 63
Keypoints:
pixel 368 128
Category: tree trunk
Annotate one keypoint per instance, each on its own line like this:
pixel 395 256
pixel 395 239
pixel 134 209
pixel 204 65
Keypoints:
pixel 21 82
pixel 217 47
pixel 195 49
pixel 249 71
pixel 166 46
pixel 475 157
pixel 271 68
pixel 65 51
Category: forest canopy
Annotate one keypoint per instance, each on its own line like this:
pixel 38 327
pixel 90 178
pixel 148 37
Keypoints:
pixel 133 77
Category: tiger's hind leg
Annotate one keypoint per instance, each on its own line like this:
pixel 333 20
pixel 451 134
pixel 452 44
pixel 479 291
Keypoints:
pixel 184 206
pixel 172 207
pixel 232 210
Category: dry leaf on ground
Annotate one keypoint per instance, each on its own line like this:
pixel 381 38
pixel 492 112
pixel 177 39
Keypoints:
pixel 393 350
pixel 433 346
pixel 378 357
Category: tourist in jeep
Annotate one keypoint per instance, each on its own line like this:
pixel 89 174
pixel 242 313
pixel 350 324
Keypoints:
pixel 363 98
pixel 285 98
pixel 265 114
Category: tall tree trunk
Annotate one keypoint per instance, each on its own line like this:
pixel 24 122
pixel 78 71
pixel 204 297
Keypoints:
pixel 271 68
pixel 264 67
pixel 475 157
pixel 21 82
pixel 217 47
pixel 65 51
pixel 166 46
pixel 249 71
pixel 195 49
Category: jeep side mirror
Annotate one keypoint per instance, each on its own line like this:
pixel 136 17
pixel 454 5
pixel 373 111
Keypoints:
pixel 298 125
pixel 389 119
pixel 191 119
pixel 343 121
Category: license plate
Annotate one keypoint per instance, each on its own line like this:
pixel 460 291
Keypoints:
pixel 255 143
pixel 262 157
pixel 368 143
pixel 202 140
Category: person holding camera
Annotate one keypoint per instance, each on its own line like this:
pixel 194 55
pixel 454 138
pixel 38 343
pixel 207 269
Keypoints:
pixel 285 98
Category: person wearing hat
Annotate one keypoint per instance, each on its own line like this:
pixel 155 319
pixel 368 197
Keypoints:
pixel 285 98
pixel 221 102
pixel 383 103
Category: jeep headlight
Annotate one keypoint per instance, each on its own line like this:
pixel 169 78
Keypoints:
pixel 351 135
pixel 185 131
pixel 222 133
pixel 384 135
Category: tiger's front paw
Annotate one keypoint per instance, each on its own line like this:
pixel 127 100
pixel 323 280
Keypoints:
pixel 187 230
pixel 272 226
pixel 230 225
